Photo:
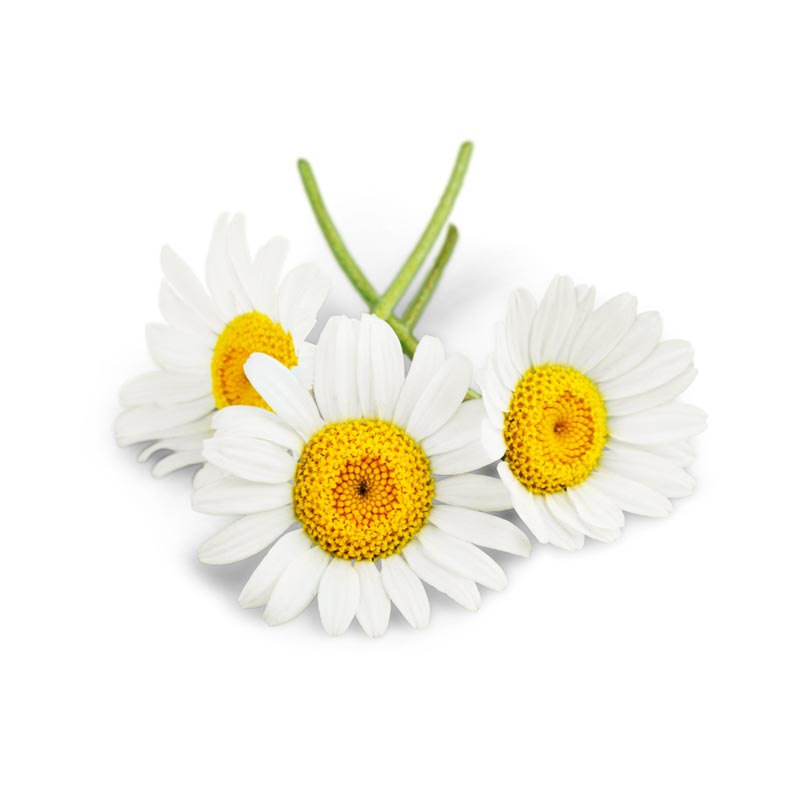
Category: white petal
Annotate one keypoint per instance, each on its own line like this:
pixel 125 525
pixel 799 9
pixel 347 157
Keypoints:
pixel 301 293
pixel 630 495
pixel 175 461
pixel 297 587
pixel 584 296
pixel 506 371
pixel 381 368
pixel 462 558
pixel 175 444
pixel 639 341
pixel 496 396
pixel 463 428
pixel 561 507
pixel 189 289
pixel 662 425
pixel 182 316
pixel 268 267
pixel 666 362
pixel 655 397
pixel 221 277
pixel 144 423
pixel 481 492
pixel 406 591
pixel 518 323
pixel 284 393
pixel 257 590
pixel 553 320
pixel 679 453
pixel 304 369
pixel 251 459
pixel 164 388
pixel 206 475
pixel 258 423
pixel 335 387
pixel 534 513
pixel 441 398
pixel 602 332
pixel 232 495
pixel 428 359
pixel 461 590
pixel 492 439
pixel 595 508
pixel 177 351
pixel 338 596
pixel 465 459
pixel 374 606
pixel 247 536
pixel 482 529
pixel 652 470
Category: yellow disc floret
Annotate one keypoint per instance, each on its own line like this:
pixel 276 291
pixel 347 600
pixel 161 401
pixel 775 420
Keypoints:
pixel 244 335
pixel 362 489
pixel 555 429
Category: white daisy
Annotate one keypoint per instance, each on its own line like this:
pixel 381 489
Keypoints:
pixel 359 466
pixel 581 407
pixel 254 305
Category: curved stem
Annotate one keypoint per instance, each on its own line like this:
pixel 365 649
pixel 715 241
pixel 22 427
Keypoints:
pixel 421 299
pixel 405 276
pixel 334 238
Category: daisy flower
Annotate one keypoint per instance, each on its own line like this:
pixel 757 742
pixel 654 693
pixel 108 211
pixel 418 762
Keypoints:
pixel 359 490
pixel 581 407
pixel 253 305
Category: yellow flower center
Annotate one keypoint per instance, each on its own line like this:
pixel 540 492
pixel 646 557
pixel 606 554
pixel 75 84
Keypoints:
pixel 244 335
pixel 362 489
pixel 555 428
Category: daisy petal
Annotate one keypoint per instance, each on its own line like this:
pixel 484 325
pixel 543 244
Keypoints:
pixel 257 590
pixel 584 297
pixel 231 495
pixel 177 443
pixel 630 495
pixel 602 331
pixel 655 397
pixel 182 316
pixel 335 387
pixel 481 492
pixel 284 393
pixel 164 388
pixel 666 362
pixel 518 323
pixel 461 590
pixel 247 536
pixel 338 596
pixel 189 288
pixel 533 511
pixel 506 371
pixel 461 429
pixel 374 606
pixel 206 475
pixel 176 351
pixel 638 342
pixel 296 587
pixel 301 293
pixel 251 459
pixel 406 591
pixel 662 425
pixel 143 423
pixel 462 558
pixel 652 470
pixel 465 459
pixel 268 267
pixel 221 277
pixel 482 529
pixel 553 320
pixel 561 507
pixel 441 398
pixel 176 461
pixel 428 359
pixel 258 423
pixel 492 440
pixel 594 508
pixel 381 368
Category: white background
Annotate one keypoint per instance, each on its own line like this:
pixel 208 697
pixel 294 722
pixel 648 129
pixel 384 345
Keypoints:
pixel 643 147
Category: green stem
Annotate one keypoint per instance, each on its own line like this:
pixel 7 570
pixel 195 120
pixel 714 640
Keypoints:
pixel 334 238
pixel 421 299
pixel 385 306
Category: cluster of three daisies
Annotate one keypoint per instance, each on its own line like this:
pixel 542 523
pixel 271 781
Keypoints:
pixel 355 471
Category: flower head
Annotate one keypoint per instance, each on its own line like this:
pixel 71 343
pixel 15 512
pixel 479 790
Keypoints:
pixel 361 490
pixel 581 407
pixel 254 306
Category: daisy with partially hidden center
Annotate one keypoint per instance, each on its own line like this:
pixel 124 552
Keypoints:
pixel 581 406
pixel 360 490
pixel 254 306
